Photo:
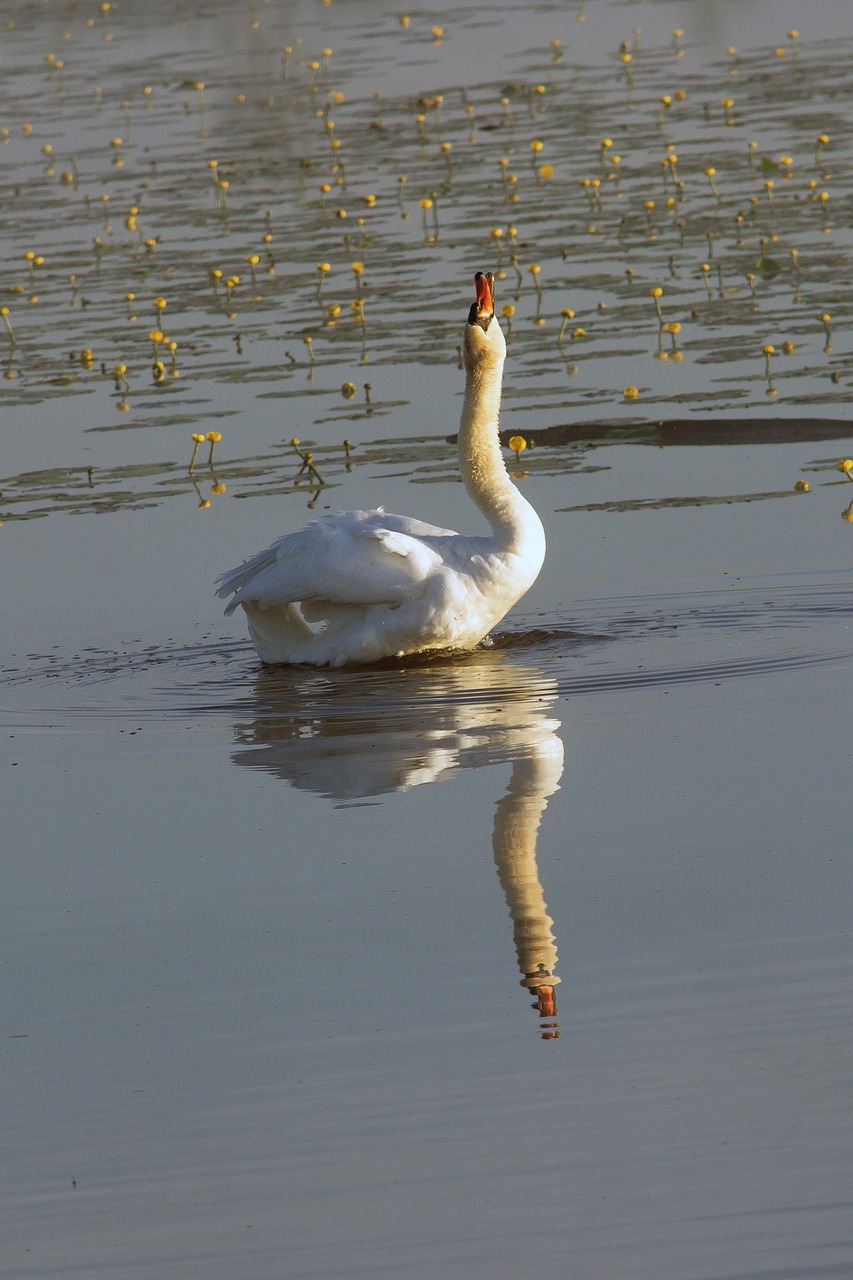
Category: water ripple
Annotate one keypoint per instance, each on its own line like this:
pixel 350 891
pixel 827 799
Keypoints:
pixel 614 645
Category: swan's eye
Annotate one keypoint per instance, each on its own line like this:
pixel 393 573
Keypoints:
pixel 475 317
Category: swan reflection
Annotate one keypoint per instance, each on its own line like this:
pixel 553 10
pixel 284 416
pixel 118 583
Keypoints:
pixel 353 735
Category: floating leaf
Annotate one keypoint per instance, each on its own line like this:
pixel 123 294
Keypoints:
pixel 767 268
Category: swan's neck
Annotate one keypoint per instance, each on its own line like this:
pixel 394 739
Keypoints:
pixel 481 462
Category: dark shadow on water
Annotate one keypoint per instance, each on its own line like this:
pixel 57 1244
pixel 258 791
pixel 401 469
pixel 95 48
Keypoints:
pixel 696 431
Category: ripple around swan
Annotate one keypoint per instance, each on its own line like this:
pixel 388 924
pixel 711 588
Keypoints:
pixel 614 645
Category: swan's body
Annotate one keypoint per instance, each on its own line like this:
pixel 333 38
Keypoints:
pixel 382 585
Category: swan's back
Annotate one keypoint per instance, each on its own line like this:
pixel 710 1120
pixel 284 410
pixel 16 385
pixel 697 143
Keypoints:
pixel 356 557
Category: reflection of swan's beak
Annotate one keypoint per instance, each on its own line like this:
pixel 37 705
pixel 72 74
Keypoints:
pixel 546 1002
pixel 547 1007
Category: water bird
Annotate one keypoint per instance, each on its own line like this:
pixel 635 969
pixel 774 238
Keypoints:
pixel 361 586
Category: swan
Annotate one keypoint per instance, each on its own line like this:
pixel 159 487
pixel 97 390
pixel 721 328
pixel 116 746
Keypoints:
pixel 361 586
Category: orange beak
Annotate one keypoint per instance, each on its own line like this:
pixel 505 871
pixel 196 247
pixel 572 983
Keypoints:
pixel 485 285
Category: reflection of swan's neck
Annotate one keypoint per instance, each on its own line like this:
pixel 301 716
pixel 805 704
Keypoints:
pixel 517 819
pixel 514 523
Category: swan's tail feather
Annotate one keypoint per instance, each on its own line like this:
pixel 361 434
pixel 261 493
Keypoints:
pixel 236 580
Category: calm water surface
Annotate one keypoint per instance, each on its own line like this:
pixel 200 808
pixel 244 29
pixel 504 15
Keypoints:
pixel 535 962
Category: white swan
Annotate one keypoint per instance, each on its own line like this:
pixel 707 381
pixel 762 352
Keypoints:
pixel 377 585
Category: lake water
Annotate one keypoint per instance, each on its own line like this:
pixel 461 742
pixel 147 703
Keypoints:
pixel 532 962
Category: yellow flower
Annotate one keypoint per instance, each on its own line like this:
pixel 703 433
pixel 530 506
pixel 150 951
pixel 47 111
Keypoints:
pixel 631 393
pixel 846 464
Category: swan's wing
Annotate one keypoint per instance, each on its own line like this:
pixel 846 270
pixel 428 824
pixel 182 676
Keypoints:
pixel 353 558
pixel 407 524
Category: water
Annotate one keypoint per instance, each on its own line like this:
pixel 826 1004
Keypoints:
pixel 265 932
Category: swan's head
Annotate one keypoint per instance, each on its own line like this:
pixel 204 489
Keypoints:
pixel 483 339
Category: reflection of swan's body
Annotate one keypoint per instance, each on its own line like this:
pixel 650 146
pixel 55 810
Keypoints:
pixel 382 585
pixel 354 735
